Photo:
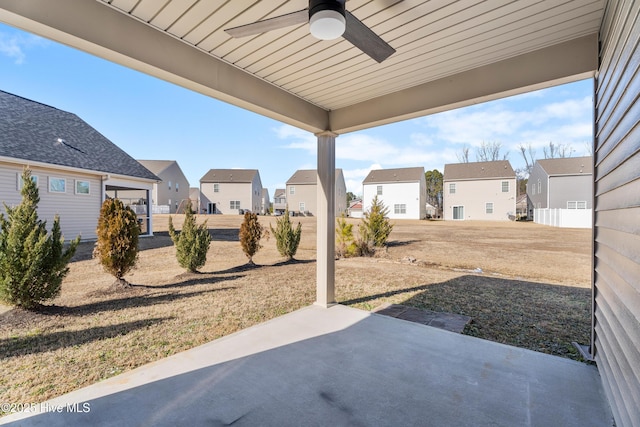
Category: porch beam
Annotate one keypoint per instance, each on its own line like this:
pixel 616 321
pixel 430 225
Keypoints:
pixel 550 66
pixel 326 217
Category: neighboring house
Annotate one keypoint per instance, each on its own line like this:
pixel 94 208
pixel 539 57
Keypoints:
pixel 431 211
pixel 231 191
pixel 522 207
pixel 302 192
pixel 279 201
pixel 266 203
pixel 74 166
pixel 479 191
pixel 355 209
pixel 403 191
pixel 564 183
pixel 170 195
pixel 194 196
pixel 560 191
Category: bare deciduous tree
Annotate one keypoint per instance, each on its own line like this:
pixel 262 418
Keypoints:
pixel 490 152
pixel 463 155
pixel 554 151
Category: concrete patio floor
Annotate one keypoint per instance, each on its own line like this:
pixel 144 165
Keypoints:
pixel 340 366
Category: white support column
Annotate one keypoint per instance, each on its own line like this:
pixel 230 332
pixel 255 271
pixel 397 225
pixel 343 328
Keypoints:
pixel 326 245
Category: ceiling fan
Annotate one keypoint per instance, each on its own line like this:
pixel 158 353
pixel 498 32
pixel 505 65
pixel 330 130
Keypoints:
pixel 328 20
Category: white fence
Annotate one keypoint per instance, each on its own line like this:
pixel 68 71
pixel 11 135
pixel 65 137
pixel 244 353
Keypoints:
pixel 566 218
pixel 160 209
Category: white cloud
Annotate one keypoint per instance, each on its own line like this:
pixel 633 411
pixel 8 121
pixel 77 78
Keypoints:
pixel 14 46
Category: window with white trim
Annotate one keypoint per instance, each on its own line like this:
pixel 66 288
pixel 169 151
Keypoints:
pixel 169 185
pixel 57 185
pixel 234 204
pixel 452 188
pixel 216 188
pixel 539 187
pixel 400 208
pixel 302 207
pixel 292 189
pixel 579 204
pixel 505 186
pixel 488 208
pixel 34 178
pixel 177 186
pixel 82 187
pixel 379 190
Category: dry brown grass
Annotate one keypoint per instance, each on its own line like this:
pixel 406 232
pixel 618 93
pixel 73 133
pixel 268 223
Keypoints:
pixel 534 292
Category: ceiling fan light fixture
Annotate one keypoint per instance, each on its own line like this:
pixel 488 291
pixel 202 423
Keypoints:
pixel 327 19
pixel 327 25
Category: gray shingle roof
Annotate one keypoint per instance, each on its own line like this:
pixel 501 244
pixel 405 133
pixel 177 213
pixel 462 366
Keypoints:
pixel 280 192
pixel 379 176
pixel 229 175
pixel 307 176
pixel 478 170
pixel 36 132
pixel 568 166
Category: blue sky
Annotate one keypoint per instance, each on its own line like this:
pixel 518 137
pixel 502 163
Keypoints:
pixel 152 119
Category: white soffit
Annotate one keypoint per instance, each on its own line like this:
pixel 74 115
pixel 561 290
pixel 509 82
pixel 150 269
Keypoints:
pixel 448 53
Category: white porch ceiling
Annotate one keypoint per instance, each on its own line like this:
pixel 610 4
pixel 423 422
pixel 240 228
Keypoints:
pixel 448 53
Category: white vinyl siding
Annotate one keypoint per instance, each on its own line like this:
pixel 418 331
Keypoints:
pixel 78 213
pixel 616 246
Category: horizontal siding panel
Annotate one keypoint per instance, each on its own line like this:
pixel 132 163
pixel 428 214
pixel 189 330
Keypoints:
pixel 627 220
pixel 626 63
pixel 617 211
pixel 624 150
pixel 626 270
pixel 625 244
pixel 626 196
pixel 78 213
pixel 610 381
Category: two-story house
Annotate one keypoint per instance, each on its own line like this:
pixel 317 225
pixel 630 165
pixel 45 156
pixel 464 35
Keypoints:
pixel 403 191
pixel 170 195
pixel 302 192
pixel 479 191
pixel 231 191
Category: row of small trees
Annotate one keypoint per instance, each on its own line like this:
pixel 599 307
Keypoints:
pixel 33 262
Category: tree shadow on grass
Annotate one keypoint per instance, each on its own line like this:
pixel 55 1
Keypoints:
pixel 20 346
pixel 191 279
pixel 294 262
pixel 396 243
pixel 123 303
pixel 538 316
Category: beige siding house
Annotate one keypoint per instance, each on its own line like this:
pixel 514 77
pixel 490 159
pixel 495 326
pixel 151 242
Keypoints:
pixel 301 192
pixel 74 166
pixel 231 191
pixel 170 195
pixel 479 191
pixel 403 191
pixel 279 201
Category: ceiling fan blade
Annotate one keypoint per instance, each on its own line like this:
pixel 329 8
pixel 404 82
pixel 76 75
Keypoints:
pixel 294 18
pixel 366 40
